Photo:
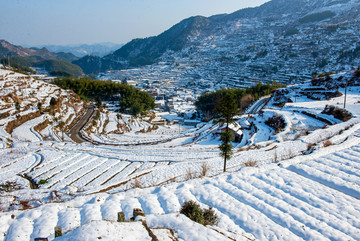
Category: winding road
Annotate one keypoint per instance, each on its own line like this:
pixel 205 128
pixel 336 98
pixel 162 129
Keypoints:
pixel 258 105
pixel 76 135
pixel 74 132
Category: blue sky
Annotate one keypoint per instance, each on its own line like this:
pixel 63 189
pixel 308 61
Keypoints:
pixel 41 22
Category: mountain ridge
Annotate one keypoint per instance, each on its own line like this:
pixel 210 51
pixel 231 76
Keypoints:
pixel 81 50
pixel 10 50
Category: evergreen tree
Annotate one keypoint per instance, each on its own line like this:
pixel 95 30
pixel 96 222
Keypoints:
pixel 98 102
pixel 207 102
pixel 225 111
pixel 39 105
pixel 17 106
pixel 132 100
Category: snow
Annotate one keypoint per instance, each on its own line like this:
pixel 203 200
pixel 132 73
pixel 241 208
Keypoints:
pixel 103 230
pixel 269 203
pixel 300 188
pixel 26 131
pixel 185 229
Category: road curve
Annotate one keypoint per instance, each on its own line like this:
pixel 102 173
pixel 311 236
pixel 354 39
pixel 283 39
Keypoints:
pixel 74 132
pixel 258 105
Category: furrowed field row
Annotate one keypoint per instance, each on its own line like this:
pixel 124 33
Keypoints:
pixel 110 172
pixel 63 166
pixel 47 166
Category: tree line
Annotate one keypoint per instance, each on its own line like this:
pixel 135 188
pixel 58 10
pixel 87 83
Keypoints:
pixel 207 103
pixel 131 100
pixel 223 105
pixel 18 64
pixel 53 66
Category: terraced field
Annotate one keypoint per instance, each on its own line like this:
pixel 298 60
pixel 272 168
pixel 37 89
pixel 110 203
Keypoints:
pixel 301 183
pixel 315 199
pixel 83 169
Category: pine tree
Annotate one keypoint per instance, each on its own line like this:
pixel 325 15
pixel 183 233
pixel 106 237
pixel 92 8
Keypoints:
pixel 225 112
pixel 98 102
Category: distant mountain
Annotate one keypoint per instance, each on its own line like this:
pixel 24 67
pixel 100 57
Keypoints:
pixel 144 51
pixel 56 64
pixel 91 64
pixel 292 36
pixel 9 50
pixel 141 52
pixel 80 50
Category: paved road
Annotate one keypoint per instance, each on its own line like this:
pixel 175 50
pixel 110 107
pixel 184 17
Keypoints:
pixel 258 105
pixel 74 133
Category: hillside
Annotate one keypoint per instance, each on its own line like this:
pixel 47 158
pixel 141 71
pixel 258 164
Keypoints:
pixel 59 67
pixel 293 183
pixel 301 201
pixel 9 50
pixel 281 40
pixel 36 104
pixel 55 64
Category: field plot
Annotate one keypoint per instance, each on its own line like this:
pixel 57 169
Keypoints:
pixel 59 170
pixel 309 200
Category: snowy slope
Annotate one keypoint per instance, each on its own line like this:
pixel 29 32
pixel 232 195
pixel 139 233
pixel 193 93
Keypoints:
pixel 316 199
pixel 298 183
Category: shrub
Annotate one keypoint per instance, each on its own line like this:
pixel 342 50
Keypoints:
pixel 210 218
pixel 275 156
pixel 17 106
pixel 137 184
pixel 193 211
pixel 250 163
pixel 25 205
pixel 53 101
pixel 9 186
pixel 310 147
pixel 357 72
pixel 338 113
pixel 42 181
pixel 38 105
pixel 277 122
pixel 204 169
pixel 327 143
pixel 190 174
